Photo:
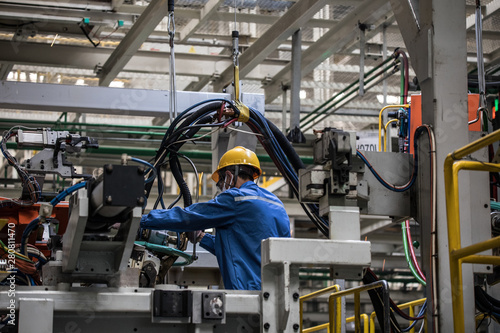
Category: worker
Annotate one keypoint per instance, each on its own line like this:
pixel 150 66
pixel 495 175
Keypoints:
pixel 243 215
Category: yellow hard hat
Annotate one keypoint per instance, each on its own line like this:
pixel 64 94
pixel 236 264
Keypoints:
pixel 238 156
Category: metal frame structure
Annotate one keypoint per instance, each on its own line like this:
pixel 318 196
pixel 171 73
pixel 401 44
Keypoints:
pixel 469 254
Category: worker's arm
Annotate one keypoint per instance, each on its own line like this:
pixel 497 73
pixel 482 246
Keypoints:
pixel 208 243
pixel 217 212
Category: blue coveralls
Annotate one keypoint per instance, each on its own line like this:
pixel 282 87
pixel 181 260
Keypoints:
pixel 242 217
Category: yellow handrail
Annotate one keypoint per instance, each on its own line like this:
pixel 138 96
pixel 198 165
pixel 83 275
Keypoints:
pixel 304 298
pixel 317 328
pixel 459 255
pixel 372 322
pixel 380 120
pixel 411 305
pixel 357 304
pixel 364 316
pixel 385 132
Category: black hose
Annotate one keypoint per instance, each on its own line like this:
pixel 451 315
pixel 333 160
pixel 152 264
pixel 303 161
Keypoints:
pixel 485 302
pixel 172 135
pixel 190 133
pixel 378 305
pixel 160 186
pixel 491 84
pixel 177 172
pixel 290 152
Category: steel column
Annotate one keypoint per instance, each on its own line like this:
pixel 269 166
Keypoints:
pixel 296 78
pixel 436 40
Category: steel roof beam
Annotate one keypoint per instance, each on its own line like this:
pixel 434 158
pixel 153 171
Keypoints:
pixel 73 4
pixel 332 41
pixel 45 15
pixel 205 14
pixel 82 57
pixel 140 31
pixel 295 18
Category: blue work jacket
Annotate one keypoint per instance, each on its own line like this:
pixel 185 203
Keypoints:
pixel 242 218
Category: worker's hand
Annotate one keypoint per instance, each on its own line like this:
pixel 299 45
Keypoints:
pixel 195 236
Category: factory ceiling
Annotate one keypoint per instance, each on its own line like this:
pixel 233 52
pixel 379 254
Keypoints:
pixel 126 44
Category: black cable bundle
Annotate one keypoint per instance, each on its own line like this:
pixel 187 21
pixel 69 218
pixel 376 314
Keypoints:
pixel 486 303
pixel 378 305
pixel 189 125
pixel 189 122
pixel 286 160
pixel 377 301
pixel 27 179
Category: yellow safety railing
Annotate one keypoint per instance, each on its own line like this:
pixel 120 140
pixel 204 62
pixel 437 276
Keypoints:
pixel 395 106
pixel 364 317
pixel 459 255
pixel 316 294
pixel 385 131
pixel 357 305
pixel 410 305
pixel 268 181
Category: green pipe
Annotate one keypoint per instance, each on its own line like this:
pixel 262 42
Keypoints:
pixel 65 115
pixel 46 122
pixel 344 97
pixel 407 255
pixel 347 88
pixel 192 154
pixel 96 130
pixel 327 278
pixel 150 152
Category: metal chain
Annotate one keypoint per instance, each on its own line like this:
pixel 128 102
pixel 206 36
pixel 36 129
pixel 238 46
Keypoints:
pixel 173 90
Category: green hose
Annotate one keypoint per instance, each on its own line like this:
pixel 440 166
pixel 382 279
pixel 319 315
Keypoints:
pixel 495 205
pixel 188 259
pixel 407 255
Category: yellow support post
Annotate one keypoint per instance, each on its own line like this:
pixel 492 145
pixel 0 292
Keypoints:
pixel 304 298
pixel 335 315
pixel 366 320
pixel 457 254
pixel 357 312
pixel 385 132
pixel 372 322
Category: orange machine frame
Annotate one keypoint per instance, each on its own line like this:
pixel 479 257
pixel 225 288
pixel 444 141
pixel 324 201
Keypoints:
pixel 416 114
pixel 22 216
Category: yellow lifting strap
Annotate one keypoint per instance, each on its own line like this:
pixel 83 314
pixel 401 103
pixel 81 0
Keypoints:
pixel 244 111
